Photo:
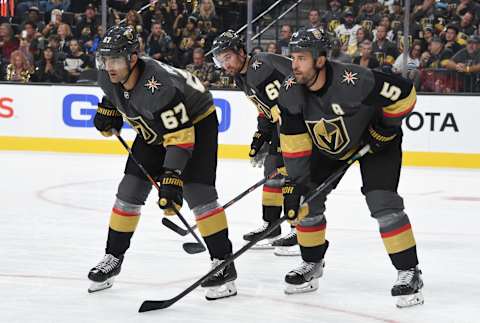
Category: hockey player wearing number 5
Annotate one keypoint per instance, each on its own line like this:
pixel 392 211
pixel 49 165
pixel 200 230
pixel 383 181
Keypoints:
pixel 260 78
pixel 328 111
pixel 176 142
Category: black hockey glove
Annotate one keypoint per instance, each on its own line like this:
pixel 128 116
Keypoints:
pixel 171 191
pixel 258 149
pixel 379 137
pixel 292 199
pixel 107 118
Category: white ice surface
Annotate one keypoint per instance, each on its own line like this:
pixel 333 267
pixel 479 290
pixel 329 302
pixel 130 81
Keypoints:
pixel 55 213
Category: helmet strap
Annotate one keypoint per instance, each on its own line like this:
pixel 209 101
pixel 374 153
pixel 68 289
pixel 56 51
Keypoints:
pixel 130 69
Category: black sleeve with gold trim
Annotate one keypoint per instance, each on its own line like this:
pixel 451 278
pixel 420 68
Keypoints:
pixel 395 95
pixel 295 141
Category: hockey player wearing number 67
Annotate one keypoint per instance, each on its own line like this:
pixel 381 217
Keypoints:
pixel 260 77
pixel 176 142
pixel 328 111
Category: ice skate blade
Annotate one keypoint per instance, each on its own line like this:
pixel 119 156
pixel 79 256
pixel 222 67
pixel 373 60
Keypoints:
pixel 307 287
pixel 96 287
pixel 410 300
pixel 287 251
pixel 222 291
pixel 264 244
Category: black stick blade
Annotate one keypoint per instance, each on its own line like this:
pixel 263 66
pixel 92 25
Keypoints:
pixel 154 305
pixel 193 247
pixel 172 226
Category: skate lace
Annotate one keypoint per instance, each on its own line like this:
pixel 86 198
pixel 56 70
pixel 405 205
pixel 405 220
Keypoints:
pixel 405 277
pixel 290 235
pixel 107 264
pixel 304 268
pixel 216 263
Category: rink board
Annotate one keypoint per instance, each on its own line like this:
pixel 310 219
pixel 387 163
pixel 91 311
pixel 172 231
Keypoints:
pixel 439 132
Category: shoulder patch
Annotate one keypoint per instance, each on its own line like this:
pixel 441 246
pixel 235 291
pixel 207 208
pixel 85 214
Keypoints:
pixel 256 64
pixel 349 77
pixel 289 82
pixel 152 85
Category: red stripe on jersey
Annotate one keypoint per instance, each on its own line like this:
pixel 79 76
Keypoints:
pixel 261 115
pixel 400 114
pixel 272 189
pixel 392 233
pixel 210 213
pixel 124 213
pixel 185 146
pixel 299 154
pixel 311 229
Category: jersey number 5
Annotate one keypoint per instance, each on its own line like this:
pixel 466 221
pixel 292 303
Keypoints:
pixel 173 117
pixel 391 92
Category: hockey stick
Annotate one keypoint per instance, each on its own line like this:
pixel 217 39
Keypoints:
pixel 172 226
pixel 194 247
pixel 157 305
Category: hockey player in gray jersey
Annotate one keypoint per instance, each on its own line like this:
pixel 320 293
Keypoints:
pixel 176 142
pixel 328 111
pixel 260 77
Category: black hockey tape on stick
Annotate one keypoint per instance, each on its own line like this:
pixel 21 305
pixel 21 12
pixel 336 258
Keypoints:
pixel 172 226
pixel 157 305
pixel 194 247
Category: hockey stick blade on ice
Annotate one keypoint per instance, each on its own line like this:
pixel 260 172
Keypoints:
pixel 172 226
pixel 152 305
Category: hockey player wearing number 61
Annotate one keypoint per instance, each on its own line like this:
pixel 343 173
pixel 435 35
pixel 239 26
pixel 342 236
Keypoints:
pixel 260 77
pixel 328 111
pixel 176 142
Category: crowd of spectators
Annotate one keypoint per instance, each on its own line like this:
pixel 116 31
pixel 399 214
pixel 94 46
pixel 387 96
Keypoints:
pixel 55 41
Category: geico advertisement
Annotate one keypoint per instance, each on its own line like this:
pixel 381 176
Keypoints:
pixel 437 124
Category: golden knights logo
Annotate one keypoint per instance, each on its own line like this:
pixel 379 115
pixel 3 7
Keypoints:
pixel 261 107
pixel 329 135
pixel 143 129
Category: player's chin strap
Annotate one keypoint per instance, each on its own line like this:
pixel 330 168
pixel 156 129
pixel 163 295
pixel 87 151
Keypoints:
pixel 245 62
pixel 315 79
pixel 130 70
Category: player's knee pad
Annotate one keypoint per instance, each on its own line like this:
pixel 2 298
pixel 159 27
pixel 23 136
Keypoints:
pixel 210 218
pixel 387 207
pixel 133 189
pixel 197 194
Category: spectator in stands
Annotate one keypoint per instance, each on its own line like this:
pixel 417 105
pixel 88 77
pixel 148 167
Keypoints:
pixel 367 14
pixel 468 5
pixel 466 26
pixel 347 32
pixel 467 63
pixel 206 16
pixel 33 16
pixel 451 39
pixel 91 47
pixel 158 42
pixel 256 50
pixel 76 61
pixel 413 63
pixel 396 13
pixel 135 20
pixel 337 54
pixel 25 48
pixel 189 37
pixel 64 35
pixel 19 69
pixel 384 50
pixel 87 26
pixel 333 16
pixel 272 48
pixel 201 69
pixel 52 26
pixel 314 19
pixel 439 55
pixel 385 22
pixel 8 43
pixel 48 68
pixel 285 35
pixel 175 17
pixel 366 59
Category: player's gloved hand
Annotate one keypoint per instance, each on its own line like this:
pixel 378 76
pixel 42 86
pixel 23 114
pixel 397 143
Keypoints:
pixel 293 195
pixel 378 137
pixel 107 118
pixel 258 149
pixel 171 192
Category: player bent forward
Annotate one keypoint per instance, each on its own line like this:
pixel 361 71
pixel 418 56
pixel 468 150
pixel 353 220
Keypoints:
pixel 328 111
pixel 177 128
